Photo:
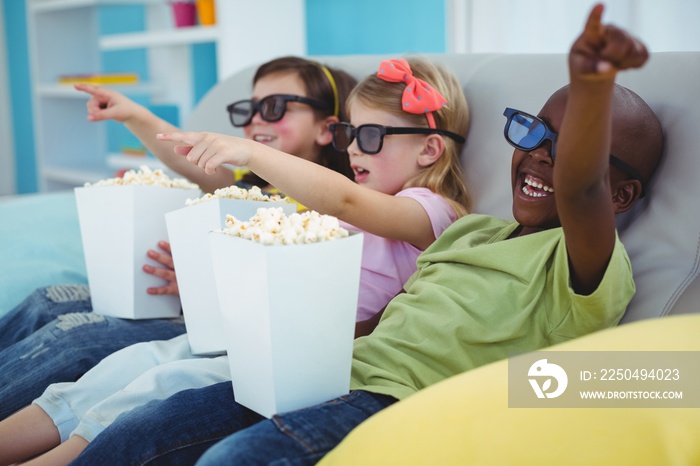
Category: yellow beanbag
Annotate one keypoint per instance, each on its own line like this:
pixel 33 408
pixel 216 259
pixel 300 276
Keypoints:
pixel 465 420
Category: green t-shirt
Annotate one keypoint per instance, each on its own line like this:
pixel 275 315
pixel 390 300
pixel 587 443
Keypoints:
pixel 477 297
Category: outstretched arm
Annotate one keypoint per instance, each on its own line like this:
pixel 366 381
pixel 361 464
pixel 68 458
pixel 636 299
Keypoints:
pixel 108 104
pixel 314 186
pixel 581 172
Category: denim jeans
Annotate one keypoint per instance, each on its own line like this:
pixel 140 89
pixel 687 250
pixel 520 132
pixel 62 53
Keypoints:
pixel 40 308
pixel 53 336
pixel 178 430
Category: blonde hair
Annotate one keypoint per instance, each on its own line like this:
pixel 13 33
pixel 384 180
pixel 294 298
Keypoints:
pixel 444 177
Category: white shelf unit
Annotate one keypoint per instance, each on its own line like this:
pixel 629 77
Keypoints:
pixel 190 35
pixel 64 38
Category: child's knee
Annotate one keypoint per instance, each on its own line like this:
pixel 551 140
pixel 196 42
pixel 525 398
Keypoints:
pixel 47 343
pixel 59 335
pixel 72 320
pixel 65 293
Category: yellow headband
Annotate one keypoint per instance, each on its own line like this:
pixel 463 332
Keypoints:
pixel 329 75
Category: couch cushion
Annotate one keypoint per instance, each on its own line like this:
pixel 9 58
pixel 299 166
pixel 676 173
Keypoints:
pixel 40 245
pixel 662 233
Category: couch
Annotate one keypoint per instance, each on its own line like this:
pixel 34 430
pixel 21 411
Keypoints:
pixel 661 232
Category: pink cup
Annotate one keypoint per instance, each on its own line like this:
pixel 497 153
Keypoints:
pixel 185 14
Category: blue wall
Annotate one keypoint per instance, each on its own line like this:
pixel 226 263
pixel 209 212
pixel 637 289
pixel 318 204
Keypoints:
pixel 341 27
pixel 117 20
pixel 334 27
pixel 15 28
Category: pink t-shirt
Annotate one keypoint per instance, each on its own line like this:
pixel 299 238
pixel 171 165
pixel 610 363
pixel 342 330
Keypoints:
pixel 386 263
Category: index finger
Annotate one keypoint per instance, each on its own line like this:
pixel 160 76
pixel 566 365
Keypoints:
pixel 594 23
pixel 89 88
pixel 180 136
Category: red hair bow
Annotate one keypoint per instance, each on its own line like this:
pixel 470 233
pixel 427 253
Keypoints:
pixel 418 97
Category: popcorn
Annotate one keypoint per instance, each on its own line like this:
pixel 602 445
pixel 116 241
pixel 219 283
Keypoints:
pixel 145 177
pixel 234 192
pixel 271 226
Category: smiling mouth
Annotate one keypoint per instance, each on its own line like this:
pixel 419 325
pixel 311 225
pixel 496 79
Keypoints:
pixel 535 187
pixel 263 138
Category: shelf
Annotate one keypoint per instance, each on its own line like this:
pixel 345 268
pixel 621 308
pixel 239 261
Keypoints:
pixel 178 36
pixel 57 5
pixel 66 91
pixel 78 177
pixel 73 176
pixel 118 161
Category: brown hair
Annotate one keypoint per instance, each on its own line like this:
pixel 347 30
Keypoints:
pixel 445 176
pixel 318 86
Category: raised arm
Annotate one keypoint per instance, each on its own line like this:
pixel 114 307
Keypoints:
pixel 312 185
pixel 108 104
pixel 581 173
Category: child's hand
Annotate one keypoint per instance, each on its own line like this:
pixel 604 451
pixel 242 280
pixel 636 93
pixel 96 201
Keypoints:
pixel 210 150
pixel 107 104
pixel 603 50
pixel 167 273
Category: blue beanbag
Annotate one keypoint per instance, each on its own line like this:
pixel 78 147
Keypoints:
pixel 40 245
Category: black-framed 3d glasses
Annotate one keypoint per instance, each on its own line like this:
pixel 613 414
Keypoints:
pixel 271 108
pixel 370 138
pixel 527 132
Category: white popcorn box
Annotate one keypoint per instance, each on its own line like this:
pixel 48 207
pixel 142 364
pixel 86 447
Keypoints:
pixel 289 315
pixel 188 229
pixel 118 225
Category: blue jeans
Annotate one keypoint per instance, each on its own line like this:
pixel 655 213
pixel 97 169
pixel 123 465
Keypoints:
pixel 53 336
pixel 40 308
pixel 178 430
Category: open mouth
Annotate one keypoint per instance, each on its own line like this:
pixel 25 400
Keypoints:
pixel 263 138
pixel 360 173
pixel 535 187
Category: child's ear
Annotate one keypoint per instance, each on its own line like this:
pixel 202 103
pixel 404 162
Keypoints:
pixel 432 150
pixel 324 136
pixel 625 193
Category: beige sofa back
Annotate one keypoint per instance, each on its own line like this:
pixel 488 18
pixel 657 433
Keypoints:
pixel 662 233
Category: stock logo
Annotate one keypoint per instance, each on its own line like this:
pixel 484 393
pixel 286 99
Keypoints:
pixel 542 373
